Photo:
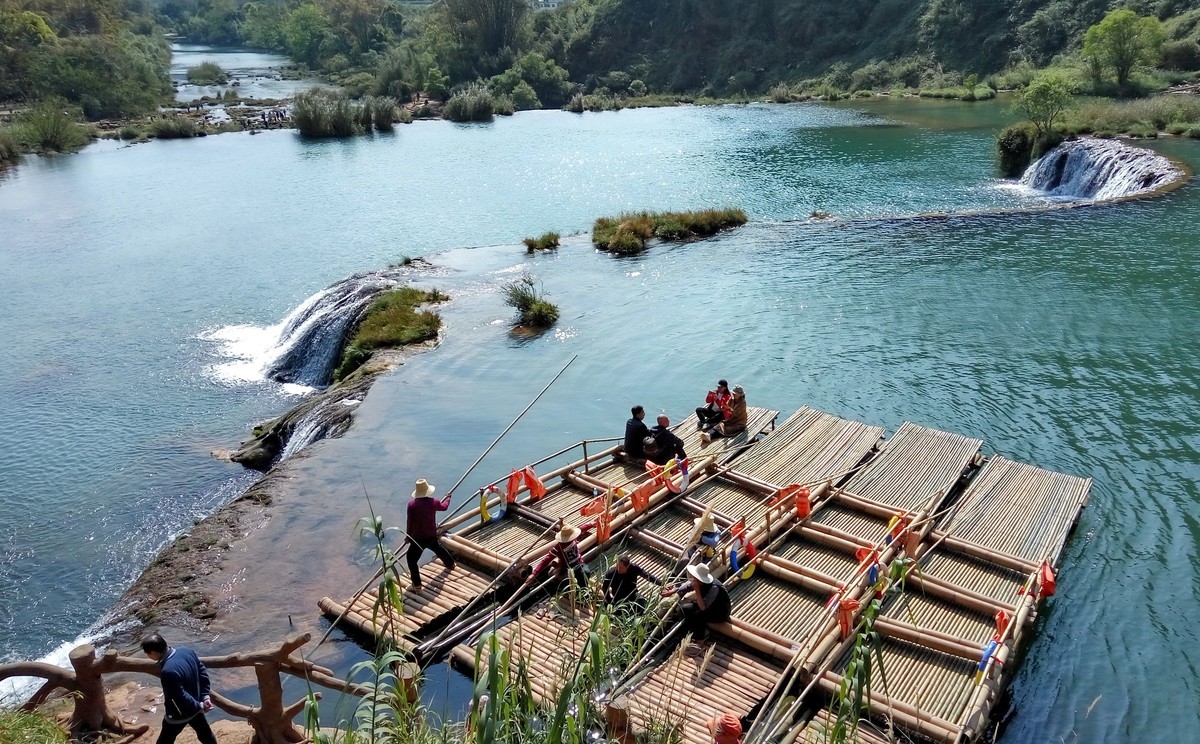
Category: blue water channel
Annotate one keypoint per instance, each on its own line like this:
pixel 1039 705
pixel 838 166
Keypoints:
pixel 1061 338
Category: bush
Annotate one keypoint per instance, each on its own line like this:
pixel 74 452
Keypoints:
pixel 473 103
pixel 10 148
pixel 544 242
pixel 524 98
pixel 1181 55
pixel 51 126
pixel 392 320
pixel 637 88
pixel 174 127
pixel 531 306
pixel 1014 148
pixel 207 73
pixel 21 727
pixel 576 104
pixel 781 93
pixel 628 233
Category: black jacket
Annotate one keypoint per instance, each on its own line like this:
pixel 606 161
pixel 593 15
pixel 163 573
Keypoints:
pixel 184 683
pixel 669 446
pixel 635 432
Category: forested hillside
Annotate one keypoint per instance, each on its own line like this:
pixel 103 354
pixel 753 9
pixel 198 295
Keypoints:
pixel 106 56
pixel 717 46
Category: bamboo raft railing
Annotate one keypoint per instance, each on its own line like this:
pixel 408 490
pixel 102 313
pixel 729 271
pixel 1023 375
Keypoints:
pixel 490 553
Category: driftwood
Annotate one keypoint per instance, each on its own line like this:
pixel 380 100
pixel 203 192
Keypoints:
pixel 271 720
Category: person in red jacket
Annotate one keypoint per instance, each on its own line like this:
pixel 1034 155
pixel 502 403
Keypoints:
pixel 716 406
pixel 422 529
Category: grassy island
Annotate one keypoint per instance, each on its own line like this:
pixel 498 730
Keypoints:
pixel 392 320
pixel 207 73
pixel 628 233
pixel 534 310
pixel 544 242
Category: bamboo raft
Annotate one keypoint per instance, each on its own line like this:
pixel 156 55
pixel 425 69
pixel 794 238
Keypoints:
pixel 976 537
pixel 517 534
pixel 810 447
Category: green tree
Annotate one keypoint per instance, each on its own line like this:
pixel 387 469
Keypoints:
pixel 1124 39
pixel 306 30
pixel 1044 100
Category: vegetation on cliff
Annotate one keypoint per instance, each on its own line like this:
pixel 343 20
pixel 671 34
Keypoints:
pixel 107 57
pixel 392 320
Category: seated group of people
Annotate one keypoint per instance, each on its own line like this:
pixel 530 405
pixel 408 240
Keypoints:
pixel 723 414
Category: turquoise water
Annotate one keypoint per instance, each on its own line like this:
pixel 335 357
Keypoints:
pixel 1061 338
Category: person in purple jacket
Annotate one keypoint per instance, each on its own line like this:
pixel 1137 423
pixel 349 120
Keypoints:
pixel 422 529
pixel 185 690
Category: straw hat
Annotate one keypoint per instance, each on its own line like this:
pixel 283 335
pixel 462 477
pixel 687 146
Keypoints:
pixel 725 728
pixel 424 490
pixel 701 573
pixel 705 523
pixel 567 534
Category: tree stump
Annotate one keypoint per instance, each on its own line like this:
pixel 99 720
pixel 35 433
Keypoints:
pixel 91 714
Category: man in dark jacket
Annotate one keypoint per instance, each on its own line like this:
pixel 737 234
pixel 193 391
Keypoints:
pixel 620 584
pixel 669 445
pixel 185 690
pixel 636 432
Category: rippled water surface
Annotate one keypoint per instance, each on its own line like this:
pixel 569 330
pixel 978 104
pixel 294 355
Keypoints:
pixel 1064 338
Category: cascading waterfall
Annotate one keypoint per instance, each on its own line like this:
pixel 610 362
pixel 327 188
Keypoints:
pixel 1098 170
pixel 311 338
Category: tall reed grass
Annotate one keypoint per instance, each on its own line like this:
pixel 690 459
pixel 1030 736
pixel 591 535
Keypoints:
pixel 175 127
pixel 544 242
pixel 476 102
pixel 320 113
pixel 10 146
pixel 51 126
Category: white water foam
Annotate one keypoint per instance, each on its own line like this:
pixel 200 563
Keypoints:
pixel 1099 170
pixel 249 349
pixel 15 691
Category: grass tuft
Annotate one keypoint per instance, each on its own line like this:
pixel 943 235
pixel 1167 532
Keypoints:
pixel 10 147
pixel 51 126
pixel 321 113
pixel 175 127
pixel 477 103
pixel 22 727
pixel 628 233
pixel 544 242
pixel 531 305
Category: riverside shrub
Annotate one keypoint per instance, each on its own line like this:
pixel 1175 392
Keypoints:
pixel 473 103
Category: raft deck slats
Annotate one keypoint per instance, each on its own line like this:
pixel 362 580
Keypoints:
pixel 777 606
pixel 865 526
pixel 689 691
pixel 1020 509
pixel 916 463
pixel 812 446
pixel 819 731
pixel 972 573
pixel 445 593
pixel 509 537
pixel 822 558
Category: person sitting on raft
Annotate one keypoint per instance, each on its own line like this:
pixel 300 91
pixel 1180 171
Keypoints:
pixel 620 584
pixel 702 547
pixel 636 432
pixel 716 406
pixel 735 422
pixel 709 601
pixel 667 446
pixel 565 556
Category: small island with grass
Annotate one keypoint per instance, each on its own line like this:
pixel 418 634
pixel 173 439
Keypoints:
pixel 534 311
pixel 627 234
pixel 207 73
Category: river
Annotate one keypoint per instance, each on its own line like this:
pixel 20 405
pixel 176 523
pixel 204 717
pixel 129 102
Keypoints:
pixel 257 74
pixel 1061 338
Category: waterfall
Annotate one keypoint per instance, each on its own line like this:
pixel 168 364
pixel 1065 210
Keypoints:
pixel 311 339
pixel 1097 170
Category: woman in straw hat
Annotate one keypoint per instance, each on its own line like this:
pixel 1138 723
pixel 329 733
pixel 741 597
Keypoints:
pixel 565 556
pixel 422 529
pixel 709 602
